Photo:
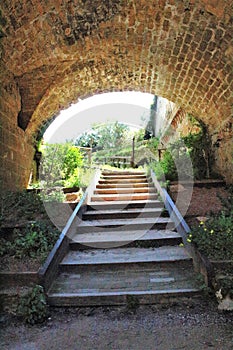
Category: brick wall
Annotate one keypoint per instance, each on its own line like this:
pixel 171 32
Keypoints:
pixel 59 51
pixel 15 151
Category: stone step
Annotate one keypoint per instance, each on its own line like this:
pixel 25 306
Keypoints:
pixel 125 205
pixel 88 226
pixel 116 239
pixel 121 214
pixel 124 197
pixel 146 284
pixel 125 185
pixel 105 259
pixel 118 190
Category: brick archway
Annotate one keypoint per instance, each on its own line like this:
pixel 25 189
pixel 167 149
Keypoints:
pixel 53 53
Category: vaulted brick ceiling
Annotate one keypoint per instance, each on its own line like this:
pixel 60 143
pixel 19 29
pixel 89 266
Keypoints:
pixel 61 50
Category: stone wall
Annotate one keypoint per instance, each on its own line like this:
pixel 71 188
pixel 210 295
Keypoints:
pixel 222 141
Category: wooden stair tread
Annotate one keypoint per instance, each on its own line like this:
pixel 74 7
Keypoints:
pixel 124 211
pixel 124 181
pixel 118 190
pixel 123 176
pixel 122 247
pixel 124 204
pixel 123 197
pixel 122 172
pixel 123 222
pixel 125 185
pixel 146 281
pixel 125 256
pixel 103 240
pixel 126 236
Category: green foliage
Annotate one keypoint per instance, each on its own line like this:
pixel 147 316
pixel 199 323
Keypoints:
pixel 139 135
pixel 103 136
pixel 73 180
pixel 166 168
pixel 153 143
pixel 60 165
pixel 215 237
pixel 32 307
pixel 55 194
pixel 88 139
pixel 200 151
pixel 35 241
pixel 195 147
pixel 51 172
pixel 5 247
pixel 73 160
pixel 25 204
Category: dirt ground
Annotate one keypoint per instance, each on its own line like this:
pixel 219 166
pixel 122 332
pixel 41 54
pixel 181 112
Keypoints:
pixel 198 201
pixel 190 326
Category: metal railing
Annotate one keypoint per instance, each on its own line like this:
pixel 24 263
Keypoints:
pixel 49 270
pixel 201 263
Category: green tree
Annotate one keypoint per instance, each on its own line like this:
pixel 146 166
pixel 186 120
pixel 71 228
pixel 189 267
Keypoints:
pixel 104 136
pixel 88 139
pixel 59 163
pixel 73 160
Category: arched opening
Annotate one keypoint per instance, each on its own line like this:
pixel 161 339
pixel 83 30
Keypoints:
pixel 180 51
pixel 158 117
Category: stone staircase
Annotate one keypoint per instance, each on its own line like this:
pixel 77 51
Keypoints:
pixel 123 246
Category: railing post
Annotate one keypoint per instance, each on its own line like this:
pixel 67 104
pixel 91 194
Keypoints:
pixel 133 153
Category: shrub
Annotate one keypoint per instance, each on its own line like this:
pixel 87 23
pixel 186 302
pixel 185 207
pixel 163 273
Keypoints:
pixel 166 168
pixel 35 241
pixel 73 180
pixel 32 307
pixel 73 160
pixel 59 163
pixel 215 237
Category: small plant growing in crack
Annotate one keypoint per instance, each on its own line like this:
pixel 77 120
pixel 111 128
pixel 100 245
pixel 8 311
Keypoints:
pixel 132 303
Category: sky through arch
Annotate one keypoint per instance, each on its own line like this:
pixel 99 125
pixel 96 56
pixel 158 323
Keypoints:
pixel 131 107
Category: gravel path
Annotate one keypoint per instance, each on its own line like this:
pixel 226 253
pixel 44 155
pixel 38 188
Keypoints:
pixel 190 326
